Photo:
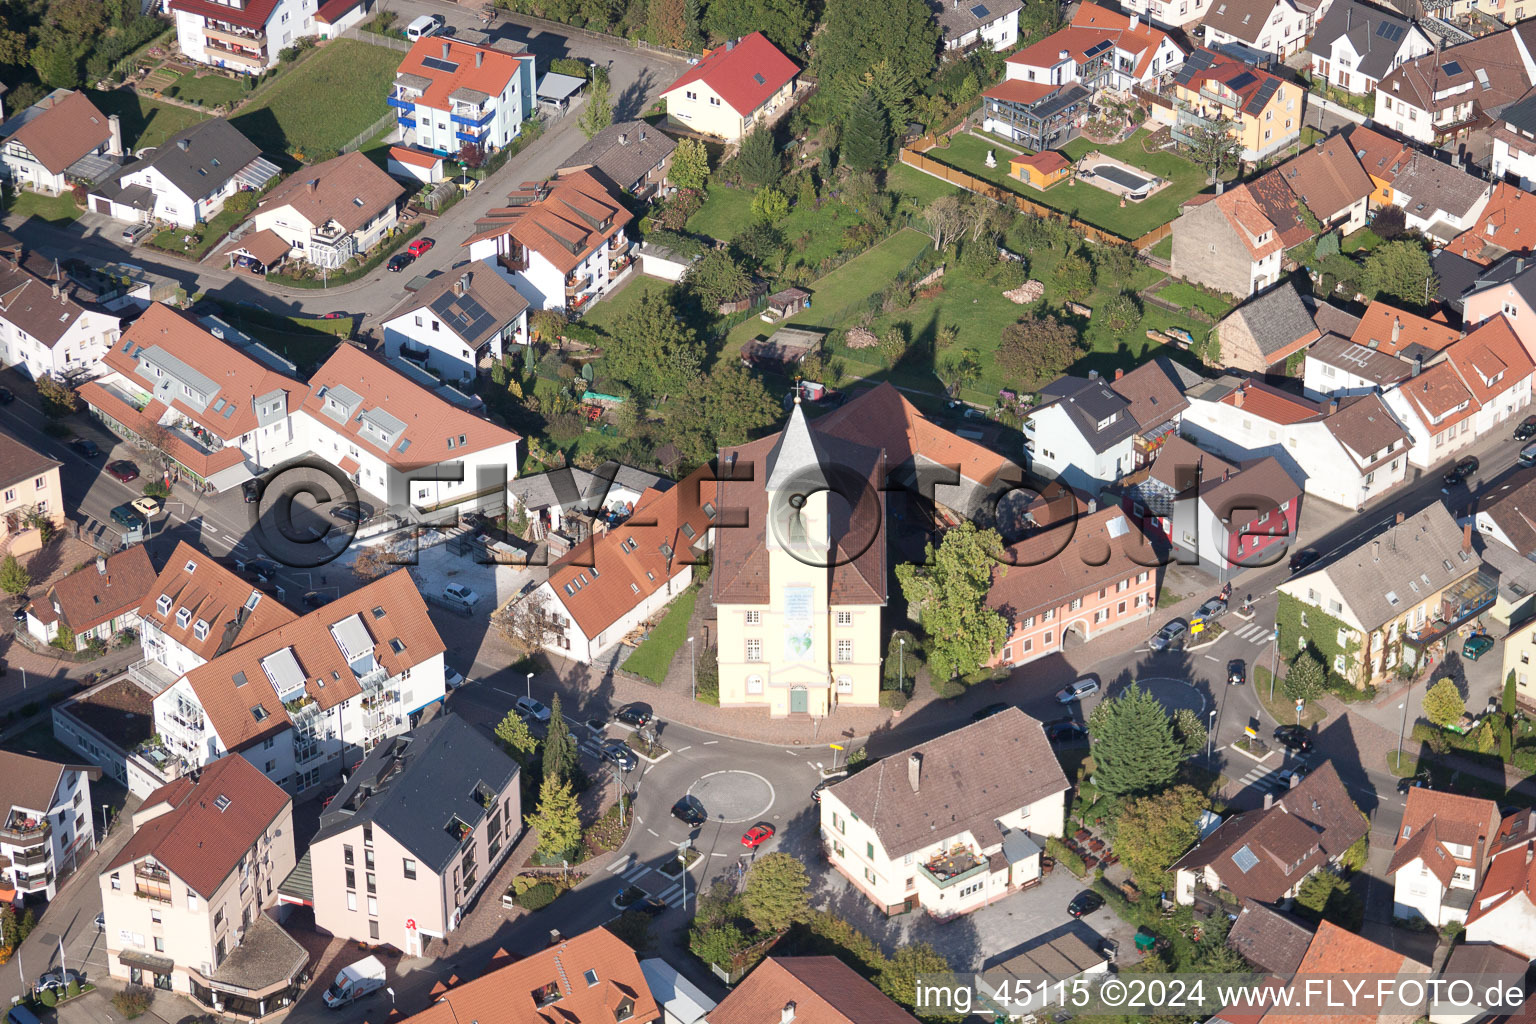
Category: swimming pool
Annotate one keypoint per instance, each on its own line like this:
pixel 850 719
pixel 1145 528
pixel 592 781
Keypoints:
pixel 1128 180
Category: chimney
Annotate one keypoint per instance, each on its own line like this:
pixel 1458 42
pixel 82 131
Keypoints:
pixel 730 45
pixel 914 770
pixel 1375 550
pixel 313 185
pixel 1333 406
pixel 1397 328
pixel 1135 22
pixel 462 284
pixel 788 1013
pixel 183 144
pixel 1226 474
pixel 1093 374
pixel 445 51
pixel 642 134
pixel 479 58
pixel 1295 779
pixel 101 565
pixel 1119 373
pixel 1269 800
pixel 115 126
pixel 1418 365
pixel 1399 519
pixel 1063 55
pixel 55 287
pixel 1237 398
pixel 1466 537
pixel 1519 264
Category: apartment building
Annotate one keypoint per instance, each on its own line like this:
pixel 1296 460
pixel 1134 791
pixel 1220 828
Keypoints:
pixel 449 93
pixel 48 827
pixel 733 88
pixel 1210 88
pixel 1440 855
pixel 1003 791
pixel 184 899
pixel 417 831
pixel 30 496
pixel 248 35
pixel 49 325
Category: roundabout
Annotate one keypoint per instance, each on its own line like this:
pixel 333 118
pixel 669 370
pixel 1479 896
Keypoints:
pixel 1174 694
pixel 733 796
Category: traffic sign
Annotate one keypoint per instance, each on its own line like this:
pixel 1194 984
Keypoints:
pixel 1253 733
pixel 835 746
pixel 1300 704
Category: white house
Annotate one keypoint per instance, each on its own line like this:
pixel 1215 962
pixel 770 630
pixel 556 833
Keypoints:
pixel 965 25
pixel 1082 433
pixel 732 88
pixel 1434 98
pixel 401 442
pixel 248 35
pixel 1003 795
pixel 48 328
pixel 1357 44
pixel 458 322
pixel 332 211
pixel 1514 144
pixel 306 700
pixel 1438 199
pixel 449 93
pixel 95 602
pixel 47 828
pixel 1136 52
pixel 1337 367
pixel 59 139
pixel 1503 911
pixel 560 242
pixel 186 180
pixel 1441 851
pixel 1258 28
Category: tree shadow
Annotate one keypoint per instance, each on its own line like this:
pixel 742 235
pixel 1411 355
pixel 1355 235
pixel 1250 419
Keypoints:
pixel 630 103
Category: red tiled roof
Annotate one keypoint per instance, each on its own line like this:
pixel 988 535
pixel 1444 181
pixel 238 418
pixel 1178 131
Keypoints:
pixel 1336 951
pixel 822 989
pixel 100 591
pixel 1507 224
pixel 1390 330
pixel 1091 25
pixel 1271 403
pixel 250 13
pixel 195 581
pixel 490 76
pixel 1381 155
pixel 142 422
pixel 332 11
pixel 1491 359
pixel 349 189
pixel 1227 70
pixel 414 157
pixel 1047 162
pixel 1511 872
pixel 742 76
pixel 1435 392
pixel 1038 573
pixel 1244 213
pixel 563 219
pixel 1433 818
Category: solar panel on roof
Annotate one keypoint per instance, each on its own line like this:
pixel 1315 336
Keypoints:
pixel 438 64
pixel 1097 48
pixel 759 79
pixel 980 11
pixel 1390 32
pixel 1453 67
pixel 1245 859
pixel 1242 81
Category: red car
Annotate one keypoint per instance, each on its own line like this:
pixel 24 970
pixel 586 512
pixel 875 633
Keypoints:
pixel 123 469
pixel 420 246
pixel 756 836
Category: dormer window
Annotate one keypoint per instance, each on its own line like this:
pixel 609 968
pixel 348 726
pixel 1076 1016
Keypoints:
pixel 163 604
pixel 191 566
pixel 183 616
pixel 200 630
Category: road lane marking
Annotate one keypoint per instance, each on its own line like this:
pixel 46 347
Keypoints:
pixel 654 832
pixel 710 743
pixel 681 749
pixel 719 855
pixel 1211 657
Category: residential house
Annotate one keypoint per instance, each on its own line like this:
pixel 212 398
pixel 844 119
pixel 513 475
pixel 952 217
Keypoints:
pixel 1258 28
pixel 733 88
pixel 1040 170
pixel 1037 115
pixel 244 35
pixel 1346 452
pixel 1155 390
pixel 1003 792
pixel 630 156
pixel 458 324
pixel 1358 44
pixel 819 989
pixel 1065 961
pixel 1500 970
pixel 47 829
pixel 1504 539
pixel 1330 182
pixel 615 580
pixel 1397 332
pixel 110 725
pixel 1440 200
pixel 1335 951
pixel 193 587
pixel 1273 941
pixel 1504 911
pixel 401 442
pixel 187 178
pixel 324 689
pixel 60 139
pixel 1390 600
pixel 1382 157
pixel 31 496
pixel 1339 368
pixel 413 836
pixel 94 603
pixel 1081 433
pixel 1224 516
pixel 220 414
pixel 332 211
pixel 588 977
pixel 1506 290
pixel 50 326
pixel 1267 331
pixel 1514 144
pixel 557 501
pixel 1227 243
pixel 1210 88
pixel 1265 855
pixel 966 26
pixel 1507 225
pixel 1442 98
pixel 1293 222
pixel 450 93
pixel 1170 14
pixel 1440 854
pixel 798 592
pixel 561 242
pixel 1080 578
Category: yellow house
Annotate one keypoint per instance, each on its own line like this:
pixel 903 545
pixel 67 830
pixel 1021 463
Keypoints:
pixel 800 582
pixel 29 488
pixel 734 87
pixel 1211 88
pixel 1382 157
pixel 1041 170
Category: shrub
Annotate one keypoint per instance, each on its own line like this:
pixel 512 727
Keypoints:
pixel 72 989
pixel 948 689
pixel 48 997
pixel 131 1002
pixel 893 699
pixel 537 896
pixel 1121 312
pixel 1432 737
pixel 1065 857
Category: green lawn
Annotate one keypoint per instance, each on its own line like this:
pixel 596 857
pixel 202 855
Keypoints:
pixel 921 188
pixel 605 314
pixel 1085 202
pixel 204 236
pixel 208 90
pixel 1190 297
pixel 145 122
pixel 60 209
pixel 322 104
pixel 654 655
pixel 1365 239
pixel 304 341
pixel 377 148
pixel 1164 250
pixel 725 214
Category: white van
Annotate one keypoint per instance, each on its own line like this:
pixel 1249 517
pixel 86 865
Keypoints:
pixel 424 26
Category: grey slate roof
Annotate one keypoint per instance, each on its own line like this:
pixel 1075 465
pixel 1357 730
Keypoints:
pixel 200 159
pixel 624 152
pixel 1269 939
pixel 1276 318
pixel 418 781
pixel 1363 24
pixel 1457 275
pixel 958 17
pixel 1521 113
pixel 1374 365
pixel 1431 185
pixel 572 487
pixel 1515 270
pixel 1087 402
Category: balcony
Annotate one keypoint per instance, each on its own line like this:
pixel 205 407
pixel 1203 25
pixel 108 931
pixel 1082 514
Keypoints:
pixel 406 122
pixel 512 264
pixel 472 119
pixel 235 33
pixel 34 882
pixel 1458 604
pixel 151 872
pixel 574 285
pixel 474 136
pixel 20 828
pixel 959 864
pixel 398 103
pixel 32 856
pixel 153 893
pixel 234 55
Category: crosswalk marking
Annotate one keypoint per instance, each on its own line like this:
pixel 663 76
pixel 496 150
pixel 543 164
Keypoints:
pixel 1254 633
pixel 638 872
pixel 621 864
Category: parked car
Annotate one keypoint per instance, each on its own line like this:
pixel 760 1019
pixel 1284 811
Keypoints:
pixel 1212 609
pixel 59 979
pixel 1527 456
pixel 452 679
pixel 315 599
pixel 1404 785
pixel 126 516
pixel 617 752
pixel 148 506
pixel 1476 646
pixel 85 446
pixel 399 261
pixel 351 511
pixel 262 570
pixel 1293 738
pixel 1237 672
pixel 459 594
pixel 1465 469
pixel 816 791
pixel 1289 777
pixel 335 314
pixel 637 715
pixel 650 906
pixel 1077 691
pixel 123 469
pixel 689 811
pixel 757 835
pixel 1065 731
pixel 7 396
pixel 527 707
pixel 1303 558
pixel 990 710
pixel 133 234
pixel 423 26
pixel 1170 637
pixel 1526 429
pixel 419 247
pixel 1085 903
pixel 250 490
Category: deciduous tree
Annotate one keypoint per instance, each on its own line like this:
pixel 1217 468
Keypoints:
pixel 776 894
pixel 898 978
pixel 1154 831
pixel 1214 145
pixel 1036 351
pixel 1443 704
pixel 690 165
pixel 715 278
pixel 651 351
pixel 949 592
pixel 598 113
pixel 1400 270
pixel 769 205
pixel 1134 749
pixel 516 737
pixel 786 23
pixel 729 407
pixel 858 34
pixel 1074 275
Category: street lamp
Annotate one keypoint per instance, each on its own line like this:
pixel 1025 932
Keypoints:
pixel 901 664
pixel 1210 737
pixel 1274 661
pixel 682 858
pixel 530 686
pixel 693 669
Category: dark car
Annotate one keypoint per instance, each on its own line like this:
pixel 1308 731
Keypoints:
pixel 20 615
pixel 123 469
pixel 352 511
pixel 85 446
pixel 1526 429
pixel 1527 456
pixel 315 599
pixel 990 710
pixel 1464 469
pixel 250 490
pixel 616 752
pixel 1404 785
pixel 399 261
pixel 128 517
pixel 1237 672
pixel 650 906
pixel 815 793
pixel 259 569
pixel 1303 558
pixel 59 979
pixel 1066 731
pixel 1293 738
pixel 689 811
pixel 637 715
pixel 1085 903
pixel 7 396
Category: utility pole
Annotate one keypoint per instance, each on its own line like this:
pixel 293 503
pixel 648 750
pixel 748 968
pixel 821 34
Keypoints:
pixel 901 664
pixel 1274 661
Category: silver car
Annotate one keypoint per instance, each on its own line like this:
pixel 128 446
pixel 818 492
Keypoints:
pixel 1170 637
